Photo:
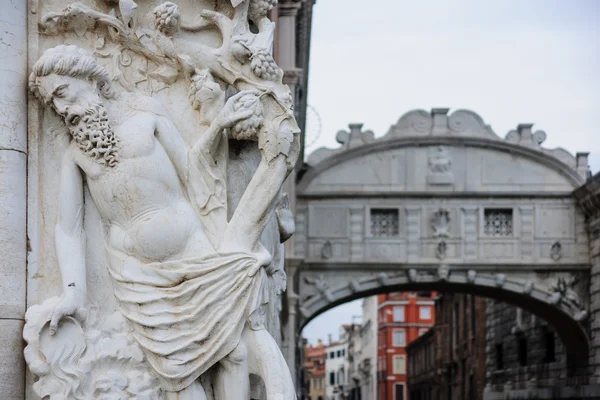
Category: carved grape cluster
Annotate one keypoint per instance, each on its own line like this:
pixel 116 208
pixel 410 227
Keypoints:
pixel 247 129
pixel 167 18
pixel 260 8
pixel 197 83
pixel 263 65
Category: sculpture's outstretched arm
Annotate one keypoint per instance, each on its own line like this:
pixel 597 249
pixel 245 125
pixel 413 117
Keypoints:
pixel 255 207
pixel 70 242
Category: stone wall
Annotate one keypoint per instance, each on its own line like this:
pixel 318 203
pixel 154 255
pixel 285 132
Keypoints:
pixel 13 188
pixel 523 352
pixel 588 197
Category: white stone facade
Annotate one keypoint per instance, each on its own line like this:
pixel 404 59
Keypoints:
pixel 124 84
pixel 336 369
pixel 362 376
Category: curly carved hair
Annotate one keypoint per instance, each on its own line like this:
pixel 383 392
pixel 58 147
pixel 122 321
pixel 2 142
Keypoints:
pixel 69 61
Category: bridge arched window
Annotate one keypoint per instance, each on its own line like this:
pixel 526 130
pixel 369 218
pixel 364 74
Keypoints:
pixel 498 222
pixel 385 222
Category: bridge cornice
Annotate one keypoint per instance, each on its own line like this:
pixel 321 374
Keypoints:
pixel 551 295
pixel 385 144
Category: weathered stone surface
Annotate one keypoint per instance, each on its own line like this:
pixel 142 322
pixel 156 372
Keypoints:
pixel 13 76
pixel 12 365
pixel 165 136
pixel 12 234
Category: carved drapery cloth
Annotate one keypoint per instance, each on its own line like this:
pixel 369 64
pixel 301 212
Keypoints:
pixel 187 314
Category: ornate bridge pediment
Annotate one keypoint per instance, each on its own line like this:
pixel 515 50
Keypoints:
pixel 433 152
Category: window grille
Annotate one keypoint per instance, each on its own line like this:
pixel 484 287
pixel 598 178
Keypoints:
pixel 384 222
pixel 498 222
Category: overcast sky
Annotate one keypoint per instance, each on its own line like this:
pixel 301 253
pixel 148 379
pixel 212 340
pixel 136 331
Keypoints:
pixel 510 61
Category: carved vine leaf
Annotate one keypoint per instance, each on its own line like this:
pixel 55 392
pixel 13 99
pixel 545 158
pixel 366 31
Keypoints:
pixel 123 35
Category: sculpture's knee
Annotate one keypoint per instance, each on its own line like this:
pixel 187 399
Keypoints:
pixel 238 356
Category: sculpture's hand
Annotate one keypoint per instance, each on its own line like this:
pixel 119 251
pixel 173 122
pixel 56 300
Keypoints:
pixel 232 113
pixel 71 303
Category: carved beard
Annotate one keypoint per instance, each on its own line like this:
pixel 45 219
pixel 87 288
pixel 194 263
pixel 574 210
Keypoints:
pixel 95 137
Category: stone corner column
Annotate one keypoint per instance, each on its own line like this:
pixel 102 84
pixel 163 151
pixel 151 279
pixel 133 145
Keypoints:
pixel 13 181
pixel 588 199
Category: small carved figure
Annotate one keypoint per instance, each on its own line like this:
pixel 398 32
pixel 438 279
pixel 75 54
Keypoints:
pixel 443 272
pixel 413 275
pixel 440 222
pixel 471 275
pixel 326 250
pixel 320 283
pixel 440 161
pixel 563 289
pixel 441 250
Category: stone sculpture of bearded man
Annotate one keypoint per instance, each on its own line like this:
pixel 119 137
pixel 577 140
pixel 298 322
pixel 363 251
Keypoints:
pixel 188 289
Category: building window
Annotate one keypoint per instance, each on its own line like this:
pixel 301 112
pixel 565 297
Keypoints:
pixel 471 387
pixel 473 316
pixel 398 391
pixel 522 351
pixel 384 222
pixel 499 356
pixel 398 314
pixel 425 312
pixel 399 338
pixel 400 365
pixel 550 355
pixel 339 353
pixel 455 327
pixel 498 222
pixel 332 355
pixel 332 378
pixel 465 321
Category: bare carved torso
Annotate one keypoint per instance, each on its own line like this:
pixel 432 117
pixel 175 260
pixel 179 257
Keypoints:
pixel 142 200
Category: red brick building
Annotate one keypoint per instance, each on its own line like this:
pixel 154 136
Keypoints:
pixel 449 362
pixel 402 317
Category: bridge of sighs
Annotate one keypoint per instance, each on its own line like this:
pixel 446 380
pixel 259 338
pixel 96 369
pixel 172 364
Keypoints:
pixel 441 202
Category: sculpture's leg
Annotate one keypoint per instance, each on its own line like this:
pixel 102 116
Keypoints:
pixel 193 392
pixel 265 360
pixel 233 379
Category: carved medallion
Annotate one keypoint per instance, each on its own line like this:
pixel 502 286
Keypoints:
pixel 556 251
pixel 440 166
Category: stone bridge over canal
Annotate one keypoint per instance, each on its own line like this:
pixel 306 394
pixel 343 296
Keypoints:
pixel 441 202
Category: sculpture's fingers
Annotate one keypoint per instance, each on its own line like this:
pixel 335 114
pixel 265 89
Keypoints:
pixel 56 316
